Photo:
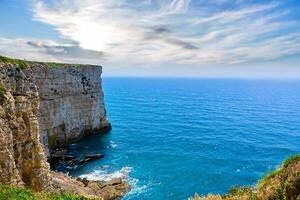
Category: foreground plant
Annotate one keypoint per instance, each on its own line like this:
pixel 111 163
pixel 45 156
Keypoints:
pixel 14 193
pixel 281 184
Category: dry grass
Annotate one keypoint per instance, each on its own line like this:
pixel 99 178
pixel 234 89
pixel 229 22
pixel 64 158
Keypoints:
pixel 281 184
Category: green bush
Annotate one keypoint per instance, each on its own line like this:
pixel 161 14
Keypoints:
pixel 14 193
pixel 67 197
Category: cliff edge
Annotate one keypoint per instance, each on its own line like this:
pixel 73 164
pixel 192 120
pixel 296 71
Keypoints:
pixel 50 105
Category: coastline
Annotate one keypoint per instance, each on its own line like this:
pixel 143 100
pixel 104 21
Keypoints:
pixel 45 106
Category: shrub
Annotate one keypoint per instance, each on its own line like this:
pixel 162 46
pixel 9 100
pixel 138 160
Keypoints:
pixel 67 197
pixel 14 193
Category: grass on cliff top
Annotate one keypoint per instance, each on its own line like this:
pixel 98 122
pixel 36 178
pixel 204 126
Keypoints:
pixel 24 64
pixel 20 63
pixel 14 193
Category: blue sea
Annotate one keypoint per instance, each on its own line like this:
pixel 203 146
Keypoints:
pixel 175 137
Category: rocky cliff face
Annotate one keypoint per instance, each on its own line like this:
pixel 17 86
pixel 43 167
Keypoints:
pixel 60 105
pixel 71 104
pixel 22 156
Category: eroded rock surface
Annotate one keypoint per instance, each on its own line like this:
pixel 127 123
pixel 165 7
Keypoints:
pixel 71 104
pixel 61 105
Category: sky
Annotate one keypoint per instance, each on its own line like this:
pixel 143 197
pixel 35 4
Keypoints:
pixel 173 38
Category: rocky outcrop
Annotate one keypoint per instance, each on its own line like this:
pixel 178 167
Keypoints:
pixel 60 105
pixel 22 157
pixel 108 190
pixel 71 103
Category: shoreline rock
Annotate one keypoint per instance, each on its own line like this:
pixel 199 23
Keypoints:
pixel 114 189
pixel 72 161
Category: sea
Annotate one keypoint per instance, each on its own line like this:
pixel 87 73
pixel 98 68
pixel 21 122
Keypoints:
pixel 174 137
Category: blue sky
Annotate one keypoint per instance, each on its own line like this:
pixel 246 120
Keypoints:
pixel 216 38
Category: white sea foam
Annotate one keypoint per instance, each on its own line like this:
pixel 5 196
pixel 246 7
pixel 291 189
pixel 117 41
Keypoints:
pixel 102 175
pixel 136 188
pixel 112 144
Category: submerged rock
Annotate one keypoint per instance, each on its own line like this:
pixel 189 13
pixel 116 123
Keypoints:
pixel 59 154
pixel 70 158
pixel 91 157
pixel 94 156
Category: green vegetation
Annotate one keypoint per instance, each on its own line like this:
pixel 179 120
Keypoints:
pixel 20 63
pixel 280 184
pixel 291 160
pixel 14 193
pixel 240 190
pixel 54 64
pixel 24 64
pixel 268 176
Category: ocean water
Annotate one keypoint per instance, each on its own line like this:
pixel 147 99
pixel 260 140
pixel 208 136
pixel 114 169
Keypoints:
pixel 175 137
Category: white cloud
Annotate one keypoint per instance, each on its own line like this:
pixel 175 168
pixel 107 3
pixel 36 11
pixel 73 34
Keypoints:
pixel 177 6
pixel 48 51
pixel 172 31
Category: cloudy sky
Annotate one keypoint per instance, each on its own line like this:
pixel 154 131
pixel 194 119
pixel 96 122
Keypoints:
pixel 215 38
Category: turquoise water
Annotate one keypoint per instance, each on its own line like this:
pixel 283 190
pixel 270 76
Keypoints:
pixel 176 137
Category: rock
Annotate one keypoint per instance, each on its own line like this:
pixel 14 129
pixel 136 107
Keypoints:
pixel 88 158
pixel 67 112
pixel 85 181
pixel 94 156
pixel 69 158
pixel 23 162
pixel 107 190
pixel 115 181
pixel 85 160
pixel 59 154
pixel 48 103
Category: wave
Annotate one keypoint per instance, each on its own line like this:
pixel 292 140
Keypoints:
pixel 112 144
pixel 102 175
pixel 136 189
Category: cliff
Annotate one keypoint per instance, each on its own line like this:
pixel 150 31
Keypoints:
pixel 281 184
pixel 50 105
pixel 71 103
